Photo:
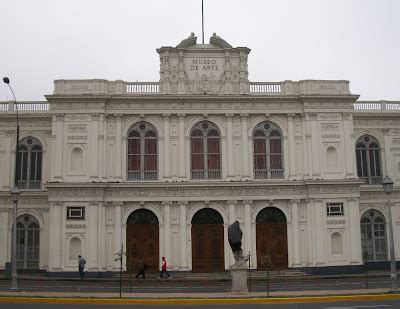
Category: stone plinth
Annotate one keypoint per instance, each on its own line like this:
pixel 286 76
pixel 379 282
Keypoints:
pixel 239 278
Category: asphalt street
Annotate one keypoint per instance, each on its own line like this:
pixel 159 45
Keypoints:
pixel 389 304
pixel 172 286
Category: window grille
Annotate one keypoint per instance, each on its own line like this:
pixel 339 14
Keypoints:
pixel 334 209
pixel 75 213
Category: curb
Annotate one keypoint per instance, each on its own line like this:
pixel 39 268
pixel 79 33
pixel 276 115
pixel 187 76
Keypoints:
pixel 198 301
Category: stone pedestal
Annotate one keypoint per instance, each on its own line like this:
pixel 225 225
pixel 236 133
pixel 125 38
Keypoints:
pixel 239 278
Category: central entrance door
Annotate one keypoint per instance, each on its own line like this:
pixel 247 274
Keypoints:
pixel 207 241
pixel 142 239
pixel 271 239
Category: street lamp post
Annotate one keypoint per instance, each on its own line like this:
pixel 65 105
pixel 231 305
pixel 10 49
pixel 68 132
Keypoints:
pixel 387 183
pixel 14 196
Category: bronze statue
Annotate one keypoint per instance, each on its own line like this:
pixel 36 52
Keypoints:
pixel 235 240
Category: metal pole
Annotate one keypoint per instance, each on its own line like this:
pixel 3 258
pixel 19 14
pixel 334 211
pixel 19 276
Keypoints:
pixel 120 271
pixel 393 274
pixel 249 274
pixel 14 282
pixel 202 20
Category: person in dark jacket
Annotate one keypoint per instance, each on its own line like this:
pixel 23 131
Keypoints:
pixel 142 267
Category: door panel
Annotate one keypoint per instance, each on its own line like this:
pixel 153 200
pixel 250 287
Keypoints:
pixel 208 248
pixel 142 240
pixel 272 248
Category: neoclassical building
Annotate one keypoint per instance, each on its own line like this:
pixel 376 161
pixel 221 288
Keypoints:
pixel 162 168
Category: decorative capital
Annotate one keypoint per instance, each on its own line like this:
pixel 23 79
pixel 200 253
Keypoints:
pixel 346 116
pixel 183 203
pixel 231 202
pixel 244 116
pixel 94 203
pixel 56 204
pixel 166 203
pixel 95 117
pixel 118 117
pixel 166 117
pixel 291 116
pixel 247 202
pixel 294 201
pixel 181 117
pixel 60 117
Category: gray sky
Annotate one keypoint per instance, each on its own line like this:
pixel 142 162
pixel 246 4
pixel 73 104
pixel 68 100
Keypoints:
pixel 44 40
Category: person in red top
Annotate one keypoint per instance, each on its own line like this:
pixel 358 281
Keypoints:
pixel 164 268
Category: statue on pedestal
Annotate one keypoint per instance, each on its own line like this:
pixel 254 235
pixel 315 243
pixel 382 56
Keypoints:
pixel 235 241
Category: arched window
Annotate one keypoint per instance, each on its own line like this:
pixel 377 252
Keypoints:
pixel 368 160
pixel 373 236
pixel 205 151
pixel 28 242
pixel 268 154
pixel 142 152
pixel 29 163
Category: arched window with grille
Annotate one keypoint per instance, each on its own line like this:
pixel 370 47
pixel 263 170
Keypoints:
pixel 205 151
pixel 267 151
pixel 373 236
pixel 29 163
pixel 142 152
pixel 368 160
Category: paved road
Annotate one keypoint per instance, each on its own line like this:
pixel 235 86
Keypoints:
pixel 171 286
pixel 390 304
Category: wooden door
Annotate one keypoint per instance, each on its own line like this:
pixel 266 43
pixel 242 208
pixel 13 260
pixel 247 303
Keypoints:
pixel 272 247
pixel 208 248
pixel 142 240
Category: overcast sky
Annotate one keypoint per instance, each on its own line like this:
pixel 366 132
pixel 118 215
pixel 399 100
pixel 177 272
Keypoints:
pixel 355 40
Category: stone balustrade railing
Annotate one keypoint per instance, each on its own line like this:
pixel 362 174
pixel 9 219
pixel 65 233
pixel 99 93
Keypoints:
pixel 24 106
pixel 377 105
pixel 288 87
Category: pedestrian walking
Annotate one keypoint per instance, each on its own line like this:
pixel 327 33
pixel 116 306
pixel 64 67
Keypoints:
pixel 142 267
pixel 164 268
pixel 81 266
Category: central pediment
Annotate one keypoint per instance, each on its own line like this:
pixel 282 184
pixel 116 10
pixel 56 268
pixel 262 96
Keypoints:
pixel 214 68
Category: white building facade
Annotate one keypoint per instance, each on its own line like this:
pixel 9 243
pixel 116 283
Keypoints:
pixel 162 168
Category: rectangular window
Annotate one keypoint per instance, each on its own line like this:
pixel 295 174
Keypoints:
pixel 75 213
pixel 334 209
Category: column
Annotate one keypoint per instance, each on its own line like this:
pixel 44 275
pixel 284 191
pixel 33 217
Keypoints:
pixel 247 227
pixel 57 141
pixel 105 146
pixel 348 147
pixel 167 231
pixel 320 244
pixel 55 223
pixel 306 172
pixel 4 244
pixel 295 231
pixel 8 176
pixel 387 162
pixel 354 231
pixel 93 234
pixel 245 148
pixel 231 211
pixel 182 233
pixel 316 170
pixel 311 237
pixel 100 148
pixel 101 239
pixel 229 140
pixel 117 230
pixel 118 146
pixel 167 162
pixel 94 149
pixel 181 143
pixel 292 150
pixel 309 146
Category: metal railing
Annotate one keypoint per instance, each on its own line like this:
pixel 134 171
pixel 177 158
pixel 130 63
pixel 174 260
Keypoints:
pixel 30 184
pixel 211 175
pixel 142 87
pixel 372 180
pixel 268 174
pixel 143 175
pixel 265 87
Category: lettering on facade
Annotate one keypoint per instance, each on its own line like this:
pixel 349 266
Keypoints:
pixel 330 135
pixel 330 127
pixel 77 137
pixel 77 128
pixel 205 64
pixel 329 222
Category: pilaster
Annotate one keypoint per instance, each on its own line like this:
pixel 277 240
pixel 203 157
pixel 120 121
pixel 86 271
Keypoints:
pixel 117 230
pixel 292 151
pixel 245 147
pixel 167 230
pixel 94 143
pixel 118 146
pixel 182 236
pixel 229 140
pixel 181 143
pixel 296 232
pixel 167 160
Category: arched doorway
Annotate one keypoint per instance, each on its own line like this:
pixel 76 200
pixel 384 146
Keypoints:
pixel 373 236
pixel 207 241
pixel 271 239
pixel 28 242
pixel 142 239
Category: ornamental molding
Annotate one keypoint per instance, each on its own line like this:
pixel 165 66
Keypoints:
pixel 328 105
pixel 332 222
pixel 60 193
pixel 379 123
pixel 333 190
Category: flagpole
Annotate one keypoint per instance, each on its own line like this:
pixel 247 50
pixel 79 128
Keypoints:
pixel 202 20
